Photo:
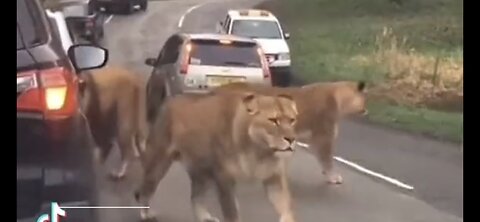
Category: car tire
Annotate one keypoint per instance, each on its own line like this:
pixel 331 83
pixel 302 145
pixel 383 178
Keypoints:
pixel 287 79
pixel 282 79
pixel 144 5
pixel 95 38
pixel 128 8
pixel 101 33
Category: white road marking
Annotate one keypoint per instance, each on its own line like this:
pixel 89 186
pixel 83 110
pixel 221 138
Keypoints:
pixel 367 171
pixel 180 22
pixel 108 19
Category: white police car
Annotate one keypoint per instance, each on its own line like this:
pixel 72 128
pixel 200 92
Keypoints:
pixel 265 28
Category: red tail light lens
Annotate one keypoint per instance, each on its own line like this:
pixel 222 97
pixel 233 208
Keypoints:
pixel 263 58
pixel 52 91
pixel 186 59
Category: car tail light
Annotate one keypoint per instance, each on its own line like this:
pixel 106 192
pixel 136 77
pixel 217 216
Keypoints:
pixel 52 91
pixel 186 58
pixel 263 58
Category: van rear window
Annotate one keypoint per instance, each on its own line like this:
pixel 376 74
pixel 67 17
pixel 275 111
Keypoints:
pixel 214 53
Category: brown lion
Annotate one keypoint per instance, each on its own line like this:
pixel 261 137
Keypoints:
pixel 321 106
pixel 113 102
pixel 222 139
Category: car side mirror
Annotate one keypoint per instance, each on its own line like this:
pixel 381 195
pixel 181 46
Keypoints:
pixel 87 56
pixel 286 35
pixel 151 62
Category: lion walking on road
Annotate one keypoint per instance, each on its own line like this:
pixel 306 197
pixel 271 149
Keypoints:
pixel 222 139
pixel 113 102
pixel 321 106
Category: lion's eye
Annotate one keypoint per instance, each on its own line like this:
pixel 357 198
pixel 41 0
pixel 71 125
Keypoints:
pixel 292 121
pixel 273 120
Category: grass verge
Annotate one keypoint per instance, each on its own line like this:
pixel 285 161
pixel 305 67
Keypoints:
pixel 410 51
pixel 438 124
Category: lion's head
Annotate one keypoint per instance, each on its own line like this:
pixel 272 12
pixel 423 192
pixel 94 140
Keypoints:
pixel 350 97
pixel 273 120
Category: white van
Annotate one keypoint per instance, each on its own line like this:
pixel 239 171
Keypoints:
pixel 264 27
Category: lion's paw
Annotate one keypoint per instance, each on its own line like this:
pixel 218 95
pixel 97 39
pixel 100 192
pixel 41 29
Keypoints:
pixel 334 178
pixel 114 175
pixel 287 218
pixel 211 219
pixel 147 216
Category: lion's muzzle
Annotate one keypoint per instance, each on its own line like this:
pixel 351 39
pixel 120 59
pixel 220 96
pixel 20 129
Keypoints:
pixel 364 112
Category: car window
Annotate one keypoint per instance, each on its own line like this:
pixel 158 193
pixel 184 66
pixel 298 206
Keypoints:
pixel 29 24
pixel 215 53
pixel 19 40
pixel 256 29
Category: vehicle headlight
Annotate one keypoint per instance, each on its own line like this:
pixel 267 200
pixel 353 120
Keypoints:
pixel 284 56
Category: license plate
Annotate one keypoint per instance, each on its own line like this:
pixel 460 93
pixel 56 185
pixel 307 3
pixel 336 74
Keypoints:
pixel 215 81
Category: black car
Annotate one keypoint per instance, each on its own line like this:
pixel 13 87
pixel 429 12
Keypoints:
pixel 54 162
pixel 83 19
pixel 124 6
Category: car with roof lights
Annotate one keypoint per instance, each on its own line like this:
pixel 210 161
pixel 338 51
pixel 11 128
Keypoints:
pixel 264 27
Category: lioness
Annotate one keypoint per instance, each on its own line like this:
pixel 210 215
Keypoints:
pixel 320 107
pixel 222 138
pixel 113 102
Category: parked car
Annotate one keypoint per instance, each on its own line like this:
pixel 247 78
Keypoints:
pixel 83 19
pixel 265 28
pixel 54 162
pixel 123 6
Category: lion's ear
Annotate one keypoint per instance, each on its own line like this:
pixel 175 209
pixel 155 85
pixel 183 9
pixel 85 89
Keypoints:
pixel 361 86
pixel 250 102
pixel 290 101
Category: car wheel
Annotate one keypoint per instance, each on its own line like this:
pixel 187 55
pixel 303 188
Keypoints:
pixel 101 33
pixel 128 8
pixel 287 79
pixel 144 5
pixel 95 38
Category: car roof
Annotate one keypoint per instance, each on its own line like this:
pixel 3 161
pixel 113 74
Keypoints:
pixel 251 14
pixel 215 36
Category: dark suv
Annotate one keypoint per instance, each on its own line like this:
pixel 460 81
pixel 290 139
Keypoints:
pixel 54 162
pixel 124 6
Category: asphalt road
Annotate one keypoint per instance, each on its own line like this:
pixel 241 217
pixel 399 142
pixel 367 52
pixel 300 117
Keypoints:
pixel 434 168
